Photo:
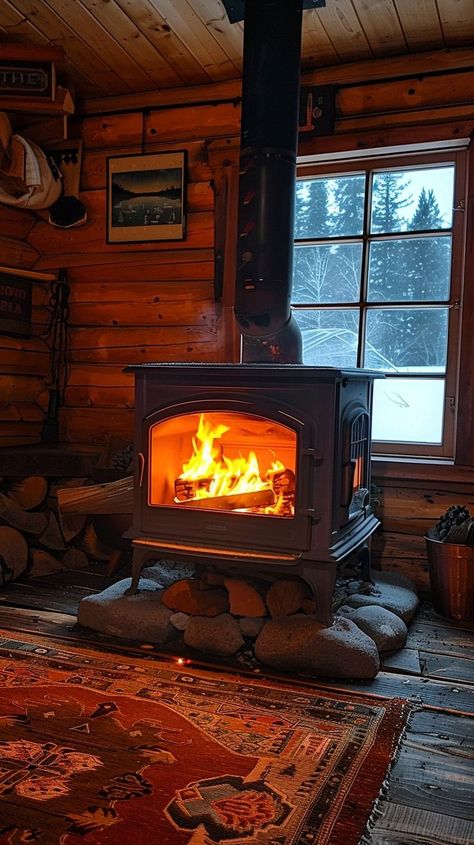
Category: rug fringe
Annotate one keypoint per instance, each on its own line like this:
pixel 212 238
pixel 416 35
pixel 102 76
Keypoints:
pixel 377 809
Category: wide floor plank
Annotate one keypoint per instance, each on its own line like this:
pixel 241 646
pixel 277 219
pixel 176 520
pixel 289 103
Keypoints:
pixel 402 825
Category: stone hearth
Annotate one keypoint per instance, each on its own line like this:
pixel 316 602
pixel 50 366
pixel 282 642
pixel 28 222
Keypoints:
pixel 259 622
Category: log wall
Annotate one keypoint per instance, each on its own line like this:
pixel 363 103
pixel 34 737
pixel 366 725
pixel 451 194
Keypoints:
pixel 24 361
pixel 132 303
pixel 155 301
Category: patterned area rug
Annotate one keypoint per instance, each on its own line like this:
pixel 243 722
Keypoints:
pixel 106 750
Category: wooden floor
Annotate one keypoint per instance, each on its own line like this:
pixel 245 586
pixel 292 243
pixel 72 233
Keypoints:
pixel 430 796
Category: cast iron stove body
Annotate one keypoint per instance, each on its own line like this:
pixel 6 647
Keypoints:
pixel 309 430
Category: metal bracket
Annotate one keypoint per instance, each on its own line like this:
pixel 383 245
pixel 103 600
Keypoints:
pixel 236 8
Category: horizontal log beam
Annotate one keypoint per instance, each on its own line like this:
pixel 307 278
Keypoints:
pixel 436 61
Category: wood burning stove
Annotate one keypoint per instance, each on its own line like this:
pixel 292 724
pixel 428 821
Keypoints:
pixel 265 465
pixel 255 468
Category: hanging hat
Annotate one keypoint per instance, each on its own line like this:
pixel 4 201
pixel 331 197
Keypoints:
pixel 67 212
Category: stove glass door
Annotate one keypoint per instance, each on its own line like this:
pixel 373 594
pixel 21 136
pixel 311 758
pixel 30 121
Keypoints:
pixel 223 461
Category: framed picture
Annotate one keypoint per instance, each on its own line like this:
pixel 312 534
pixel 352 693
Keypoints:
pixel 146 197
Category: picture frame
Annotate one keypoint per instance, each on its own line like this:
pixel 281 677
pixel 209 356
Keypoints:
pixel 146 197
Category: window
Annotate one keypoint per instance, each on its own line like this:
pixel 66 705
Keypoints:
pixel 377 284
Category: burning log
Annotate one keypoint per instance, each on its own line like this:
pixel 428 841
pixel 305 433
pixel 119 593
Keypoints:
pixel 234 501
pixel 283 484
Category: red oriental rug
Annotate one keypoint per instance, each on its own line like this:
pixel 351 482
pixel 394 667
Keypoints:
pixel 100 749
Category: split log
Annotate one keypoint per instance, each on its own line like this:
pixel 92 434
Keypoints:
pixel 30 523
pixel 51 537
pixel 255 499
pixel 13 554
pixel 29 492
pixel 93 546
pixel 74 559
pixel 71 524
pixel 43 563
pixel 110 497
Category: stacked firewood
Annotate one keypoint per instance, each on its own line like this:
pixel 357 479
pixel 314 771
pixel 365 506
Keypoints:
pixel 38 537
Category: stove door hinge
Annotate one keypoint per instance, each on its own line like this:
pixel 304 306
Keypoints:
pixel 314 454
pixel 312 513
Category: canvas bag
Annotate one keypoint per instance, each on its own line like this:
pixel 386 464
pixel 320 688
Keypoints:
pixel 43 186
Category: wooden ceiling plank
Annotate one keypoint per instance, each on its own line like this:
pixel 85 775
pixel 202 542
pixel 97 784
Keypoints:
pixel 99 42
pixel 343 29
pixel 420 24
pixel 316 46
pixel 229 35
pixel 457 21
pixel 148 19
pixel 38 18
pixel 200 42
pixel 121 27
pixel 9 16
pixel 380 23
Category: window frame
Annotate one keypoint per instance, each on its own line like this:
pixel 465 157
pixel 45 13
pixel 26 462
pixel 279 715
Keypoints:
pixel 384 160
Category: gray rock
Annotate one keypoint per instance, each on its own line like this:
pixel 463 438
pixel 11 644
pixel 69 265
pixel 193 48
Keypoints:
pixel 387 630
pixel 399 600
pixel 395 578
pixel 180 620
pixel 214 634
pixel 141 617
pixel 251 625
pixel 286 597
pixel 300 644
pixel 166 572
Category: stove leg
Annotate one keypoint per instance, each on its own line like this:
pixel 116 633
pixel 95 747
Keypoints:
pixel 364 558
pixel 322 580
pixel 140 556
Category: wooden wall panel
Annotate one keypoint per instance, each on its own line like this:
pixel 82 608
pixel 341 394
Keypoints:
pixel 407 509
pixel 136 302
pixel 16 253
pixel 24 361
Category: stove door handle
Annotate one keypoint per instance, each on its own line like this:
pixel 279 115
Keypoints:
pixel 141 468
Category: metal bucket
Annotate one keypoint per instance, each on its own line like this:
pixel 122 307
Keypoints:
pixel 451 569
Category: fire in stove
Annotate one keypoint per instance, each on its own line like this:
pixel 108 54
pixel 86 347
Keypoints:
pixel 224 461
pixel 212 480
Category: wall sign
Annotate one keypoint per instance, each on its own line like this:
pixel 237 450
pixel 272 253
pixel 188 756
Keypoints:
pixel 15 304
pixel 27 79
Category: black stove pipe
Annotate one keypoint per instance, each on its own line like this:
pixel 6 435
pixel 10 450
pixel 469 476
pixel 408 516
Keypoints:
pixel 269 137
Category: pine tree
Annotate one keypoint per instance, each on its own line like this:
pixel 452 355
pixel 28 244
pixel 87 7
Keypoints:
pixel 348 216
pixel 387 280
pixel 312 219
pixel 387 272
pixel 429 257
pixel 427 215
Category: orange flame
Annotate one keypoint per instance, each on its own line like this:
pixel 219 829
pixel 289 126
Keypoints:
pixel 224 476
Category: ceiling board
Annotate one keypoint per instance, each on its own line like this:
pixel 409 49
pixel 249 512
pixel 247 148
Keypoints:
pixel 342 25
pixel 381 25
pixel 120 47
pixel 420 23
